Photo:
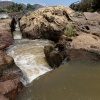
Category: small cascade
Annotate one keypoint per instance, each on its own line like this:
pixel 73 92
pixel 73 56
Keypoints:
pixel 17 33
pixel 30 58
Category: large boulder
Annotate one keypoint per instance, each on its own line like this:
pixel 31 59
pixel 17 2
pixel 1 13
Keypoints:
pixel 47 22
pixel 6 38
pixel 54 56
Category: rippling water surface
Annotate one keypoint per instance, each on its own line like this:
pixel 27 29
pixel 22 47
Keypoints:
pixel 71 81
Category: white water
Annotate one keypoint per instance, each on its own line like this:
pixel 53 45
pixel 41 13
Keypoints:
pixel 17 33
pixel 29 57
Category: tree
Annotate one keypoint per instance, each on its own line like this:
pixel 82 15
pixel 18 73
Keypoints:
pixel 86 5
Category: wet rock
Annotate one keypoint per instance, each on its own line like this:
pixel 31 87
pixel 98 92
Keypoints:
pixel 6 38
pixel 10 76
pixel 8 69
pixel 5 61
pixel 82 55
pixel 47 22
pixel 54 56
pixel 9 89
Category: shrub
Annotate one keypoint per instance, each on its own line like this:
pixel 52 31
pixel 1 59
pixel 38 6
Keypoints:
pixel 70 31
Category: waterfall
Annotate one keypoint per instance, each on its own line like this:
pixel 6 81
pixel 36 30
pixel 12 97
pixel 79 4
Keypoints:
pixel 17 33
pixel 30 58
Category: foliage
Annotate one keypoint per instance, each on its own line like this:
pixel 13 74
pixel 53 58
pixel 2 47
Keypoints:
pixel 86 5
pixel 70 31
pixel 33 7
pixel 14 8
pixel 30 7
pixel 2 10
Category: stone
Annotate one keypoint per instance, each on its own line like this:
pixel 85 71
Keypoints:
pixel 6 37
pixel 10 76
pixel 47 22
pixel 82 55
pixel 9 89
pixel 54 56
pixel 87 41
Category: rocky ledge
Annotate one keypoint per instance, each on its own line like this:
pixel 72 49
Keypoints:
pixel 58 54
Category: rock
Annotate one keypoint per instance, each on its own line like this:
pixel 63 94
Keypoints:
pixel 88 42
pixel 9 89
pixel 2 97
pixel 82 55
pixel 88 22
pixel 54 57
pixel 47 22
pixel 92 16
pixel 19 15
pixel 8 69
pixel 6 38
pixel 5 61
pixel 10 76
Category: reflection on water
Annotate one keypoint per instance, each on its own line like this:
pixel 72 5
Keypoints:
pixel 29 57
pixel 71 81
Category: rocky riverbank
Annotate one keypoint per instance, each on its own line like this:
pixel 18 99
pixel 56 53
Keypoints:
pixel 77 36
pixel 78 32
pixel 10 74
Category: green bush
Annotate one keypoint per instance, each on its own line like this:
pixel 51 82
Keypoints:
pixel 86 5
pixel 70 31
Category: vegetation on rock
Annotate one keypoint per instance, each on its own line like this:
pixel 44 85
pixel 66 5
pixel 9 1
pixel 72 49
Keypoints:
pixel 70 31
pixel 86 5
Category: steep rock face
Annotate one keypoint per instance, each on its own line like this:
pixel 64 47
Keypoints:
pixel 6 38
pixel 47 22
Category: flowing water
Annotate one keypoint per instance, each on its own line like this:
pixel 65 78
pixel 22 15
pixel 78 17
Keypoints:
pixel 17 33
pixel 71 81
pixel 29 57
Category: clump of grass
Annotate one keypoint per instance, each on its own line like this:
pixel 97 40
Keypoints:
pixel 70 31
